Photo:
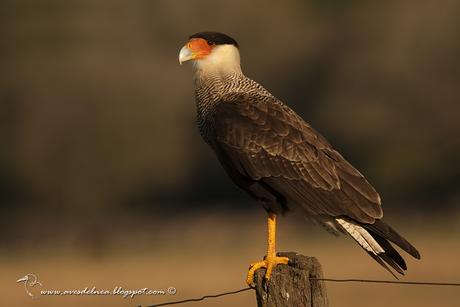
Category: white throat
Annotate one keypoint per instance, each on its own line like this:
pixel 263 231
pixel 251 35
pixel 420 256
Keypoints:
pixel 223 60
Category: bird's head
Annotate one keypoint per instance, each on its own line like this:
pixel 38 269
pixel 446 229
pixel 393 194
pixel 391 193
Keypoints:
pixel 211 51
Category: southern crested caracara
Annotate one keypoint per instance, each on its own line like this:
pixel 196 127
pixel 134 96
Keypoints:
pixel 280 160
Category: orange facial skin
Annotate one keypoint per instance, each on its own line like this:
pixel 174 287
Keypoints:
pixel 199 47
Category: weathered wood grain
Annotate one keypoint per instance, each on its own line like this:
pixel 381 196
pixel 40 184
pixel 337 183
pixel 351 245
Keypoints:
pixel 291 285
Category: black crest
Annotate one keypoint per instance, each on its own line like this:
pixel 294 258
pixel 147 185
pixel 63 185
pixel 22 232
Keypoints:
pixel 216 38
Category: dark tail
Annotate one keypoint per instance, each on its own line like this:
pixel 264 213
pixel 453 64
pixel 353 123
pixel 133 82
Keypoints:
pixel 375 240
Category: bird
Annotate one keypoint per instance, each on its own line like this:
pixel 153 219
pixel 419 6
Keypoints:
pixel 29 280
pixel 280 160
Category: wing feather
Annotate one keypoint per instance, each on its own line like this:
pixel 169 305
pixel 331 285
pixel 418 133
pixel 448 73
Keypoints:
pixel 269 142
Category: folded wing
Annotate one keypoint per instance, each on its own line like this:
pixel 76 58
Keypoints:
pixel 265 141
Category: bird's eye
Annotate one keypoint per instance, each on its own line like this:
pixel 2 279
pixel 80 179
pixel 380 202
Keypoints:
pixel 210 43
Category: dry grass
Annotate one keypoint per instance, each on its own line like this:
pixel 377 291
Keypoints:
pixel 210 254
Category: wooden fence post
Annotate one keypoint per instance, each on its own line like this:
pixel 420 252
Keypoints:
pixel 290 285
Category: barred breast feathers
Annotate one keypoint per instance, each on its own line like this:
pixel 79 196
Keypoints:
pixel 213 88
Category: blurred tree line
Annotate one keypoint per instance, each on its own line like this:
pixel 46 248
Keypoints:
pixel 97 114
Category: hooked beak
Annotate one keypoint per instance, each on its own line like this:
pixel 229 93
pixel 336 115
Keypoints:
pixel 186 54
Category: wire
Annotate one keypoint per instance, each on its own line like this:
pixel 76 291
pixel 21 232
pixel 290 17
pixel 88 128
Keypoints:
pixel 420 283
pixel 202 298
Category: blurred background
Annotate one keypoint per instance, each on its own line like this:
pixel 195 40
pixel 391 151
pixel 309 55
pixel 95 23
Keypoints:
pixel 104 180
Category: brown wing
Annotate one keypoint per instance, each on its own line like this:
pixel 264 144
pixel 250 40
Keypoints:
pixel 261 139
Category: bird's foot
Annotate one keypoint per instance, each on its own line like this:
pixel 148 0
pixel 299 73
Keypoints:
pixel 269 263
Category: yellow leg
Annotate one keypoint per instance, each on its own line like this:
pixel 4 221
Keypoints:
pixel 271 260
